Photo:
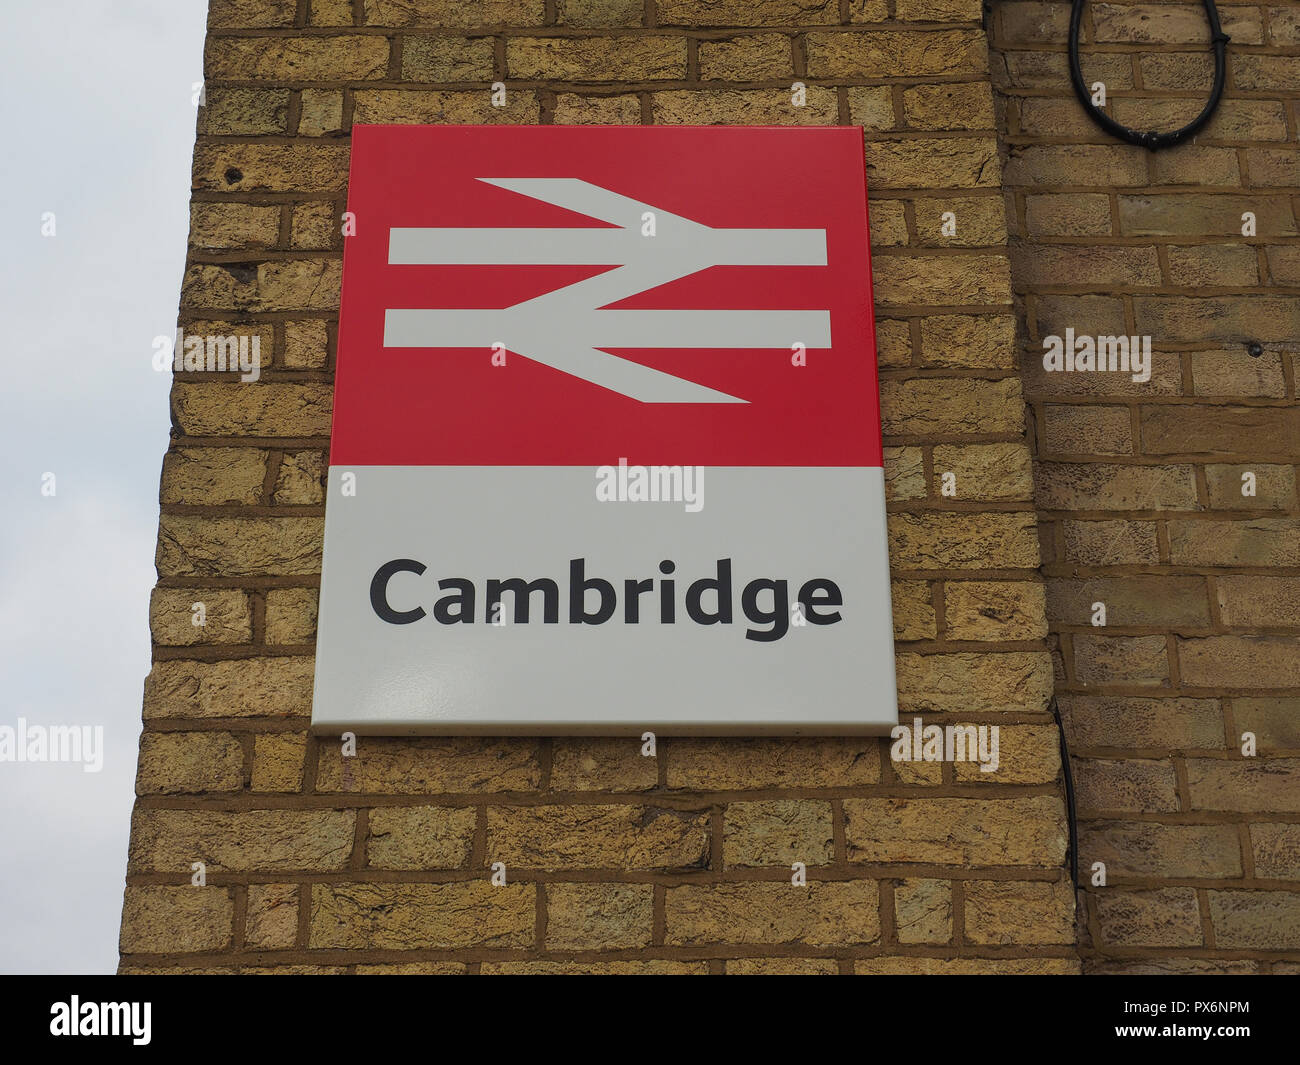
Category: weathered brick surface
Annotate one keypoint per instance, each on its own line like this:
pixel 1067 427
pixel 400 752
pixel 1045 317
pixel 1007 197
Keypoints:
pixel 612 861
pixel 420 837
pixel 1140 484
pixel 271 922
pixel 161 919
pixel 164 840
pixel 361 916
pixel 818 915
pixel 178 762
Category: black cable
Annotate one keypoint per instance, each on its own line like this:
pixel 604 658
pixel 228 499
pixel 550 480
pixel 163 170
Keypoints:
pixel 1071 812
pixel 1153 140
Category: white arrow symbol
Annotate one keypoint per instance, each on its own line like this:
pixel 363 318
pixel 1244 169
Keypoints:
pixel 565 329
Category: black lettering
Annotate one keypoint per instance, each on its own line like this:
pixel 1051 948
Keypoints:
pixel 632 592
pixel 832 596
pixel 579 585
pixel 379 591
pixel 667 608
pixel 523 592
pixel 464 599
pixel 779 616
pixel 722 586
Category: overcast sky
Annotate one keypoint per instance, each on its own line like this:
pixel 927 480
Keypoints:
pixel 99 131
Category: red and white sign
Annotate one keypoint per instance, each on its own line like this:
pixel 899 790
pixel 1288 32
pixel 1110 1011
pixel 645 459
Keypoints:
pixel 606 446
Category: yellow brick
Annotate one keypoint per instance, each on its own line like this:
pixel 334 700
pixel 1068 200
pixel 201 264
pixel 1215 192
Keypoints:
pixel 226 614
pixel 963 541
pixel 755 57
pixel 291 615
pixel 904 473
pixel 985 471
pixel 261 408
pixel 738 764
pixel 430 766
pixel 913 604
pixel 589 13
pixel 251 14
pixel 891 53
pixel 980 222
pixel 414 968
pixel 635 58
pixel 747 12
pixel 782 967
pixel 299 479
pixel 278 760
pixel 840 913
pixel 248 841
pixel 306 344
pixel 220 167
pixel 459 13
pixel 923 910
pixel 321 113
pixel 931 405
pixel 249 687
pixel 574 110
pixel 948 279
pixel 157 919
pixel 596 837
pixel 872 107
pixel 961 832
pixel 974 683
pixel 297 284
pixel 599 916
pixel 444 58
pixel 443 107
pixel 777 832
pixel 315 227
pixel 995 610
pixel 233 225
pixel 966 105
pixel 189 762
pixel 1007 912
pixel 1027 754
pixel 297 59
pixel 581 764
pixel 893 342
pixel 207 547
pixel 984 341
pixel 272 919
pixel 420 837
pixel 422 916
pixel 653 967
pixel 243 112
pixel 950 162
pixel 709 107
pixel 329 12
pixel 888 222
pixel 966 966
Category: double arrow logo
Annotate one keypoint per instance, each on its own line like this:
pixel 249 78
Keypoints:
pixel 568 327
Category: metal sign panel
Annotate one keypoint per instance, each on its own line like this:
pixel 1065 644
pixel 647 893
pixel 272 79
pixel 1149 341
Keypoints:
pixel 606 447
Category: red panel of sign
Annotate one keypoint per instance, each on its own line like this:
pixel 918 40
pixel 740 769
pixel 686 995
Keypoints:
pixel 699 295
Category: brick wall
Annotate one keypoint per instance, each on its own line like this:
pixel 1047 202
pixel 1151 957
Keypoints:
pixel 615 862
pixel 1140 485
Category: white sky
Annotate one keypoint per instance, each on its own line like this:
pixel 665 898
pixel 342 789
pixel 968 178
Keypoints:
pixel 99 129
